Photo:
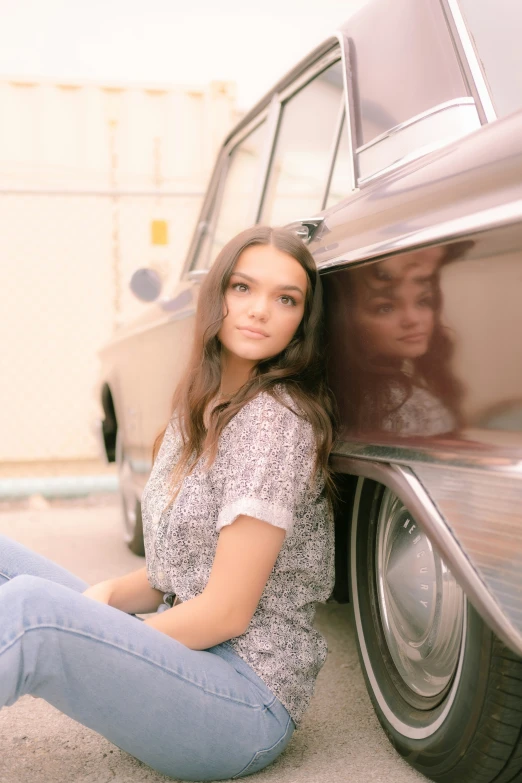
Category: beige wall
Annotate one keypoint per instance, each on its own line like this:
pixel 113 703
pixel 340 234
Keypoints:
pixel 84 170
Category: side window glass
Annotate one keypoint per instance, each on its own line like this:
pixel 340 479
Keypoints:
pixel 405 72
pixel 340 184
pixel 409 92
pixel 301 159
pixel 234 207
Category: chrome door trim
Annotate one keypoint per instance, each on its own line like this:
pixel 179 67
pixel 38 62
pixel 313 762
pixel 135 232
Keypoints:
pixel 414 140
pixel 246 130
pixel 333 153
pixel 336 54
pixel 346 53
pixel 420 152
pixel 465 101
pixel 449 231
pixel 332 56
pixel 469 60
pixel 273 120
pixel 411 492
pixel 430 456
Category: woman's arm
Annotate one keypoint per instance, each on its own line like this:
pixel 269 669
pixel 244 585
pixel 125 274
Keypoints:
pixel 131 593
pixel 245 556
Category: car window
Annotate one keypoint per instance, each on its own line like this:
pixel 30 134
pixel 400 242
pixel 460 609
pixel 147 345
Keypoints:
pixel 301 159
pixel 409 93
pixel 341 182
pixel 410 67
pixel 235 204
pixel 495 27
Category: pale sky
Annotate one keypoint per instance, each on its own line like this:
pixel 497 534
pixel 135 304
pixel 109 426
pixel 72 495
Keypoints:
pixel 165 41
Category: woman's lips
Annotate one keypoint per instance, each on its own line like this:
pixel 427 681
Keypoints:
pixel 413 338
pixel 254 334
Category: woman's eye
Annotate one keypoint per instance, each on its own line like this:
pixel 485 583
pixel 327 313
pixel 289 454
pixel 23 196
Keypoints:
pixel 289 301
pixel 385 308
pixel 241 287
pixel 428 302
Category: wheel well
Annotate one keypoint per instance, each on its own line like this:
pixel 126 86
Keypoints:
pixel 346 485
pixel 109 424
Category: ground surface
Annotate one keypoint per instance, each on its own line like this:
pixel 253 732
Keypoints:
pixel 340 739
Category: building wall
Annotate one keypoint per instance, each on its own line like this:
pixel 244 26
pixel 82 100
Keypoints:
pixel 95 182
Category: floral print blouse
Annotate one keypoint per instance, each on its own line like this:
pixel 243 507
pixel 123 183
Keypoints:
pixel 264 469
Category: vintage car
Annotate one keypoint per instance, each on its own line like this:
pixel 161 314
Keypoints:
pixel 395 151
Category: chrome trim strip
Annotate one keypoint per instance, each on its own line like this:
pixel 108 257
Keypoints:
pixel 407 730
pixel 418 118
pixel 408 488
pixel 418 153
pixel 246 131
pixel 494 217
pixel 314 70
pixel 273 119
pixel 333 152
pixel 333 56
pixel 471 60
pixel 346 53
pixel 345 113
pixel 430 456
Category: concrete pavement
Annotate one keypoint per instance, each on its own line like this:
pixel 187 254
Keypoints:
pixel 340 739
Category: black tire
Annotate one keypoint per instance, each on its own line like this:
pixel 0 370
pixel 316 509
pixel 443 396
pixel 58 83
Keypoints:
pixel 130 504
pixel 136 543
pixel 471 732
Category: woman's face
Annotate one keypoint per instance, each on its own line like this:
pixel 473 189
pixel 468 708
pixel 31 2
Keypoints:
pixel 264 303
pixel 394 304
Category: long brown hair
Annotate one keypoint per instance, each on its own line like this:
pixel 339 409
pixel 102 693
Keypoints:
pixel 300 367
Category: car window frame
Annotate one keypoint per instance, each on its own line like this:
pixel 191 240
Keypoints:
pixel 337 53
pixel 338 49
pixel 469 60
pixel 477 97
pixel 228 150
pixel 210 209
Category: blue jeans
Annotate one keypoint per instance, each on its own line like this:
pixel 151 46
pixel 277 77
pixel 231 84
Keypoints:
pixel 190 714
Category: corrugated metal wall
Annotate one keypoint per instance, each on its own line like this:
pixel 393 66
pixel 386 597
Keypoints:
pixel 95 181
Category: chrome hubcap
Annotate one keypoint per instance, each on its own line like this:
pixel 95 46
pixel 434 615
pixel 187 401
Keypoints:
pixel 421 604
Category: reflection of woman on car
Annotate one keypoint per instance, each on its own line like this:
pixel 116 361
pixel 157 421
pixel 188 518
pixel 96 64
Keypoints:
pixel 396 363
pixel 238 531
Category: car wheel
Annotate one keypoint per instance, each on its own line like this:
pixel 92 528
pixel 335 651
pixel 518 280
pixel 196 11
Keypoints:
pixel 447 692
pixel 130 503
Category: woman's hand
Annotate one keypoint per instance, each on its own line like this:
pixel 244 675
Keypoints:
pixel 131 593
pixel 102 591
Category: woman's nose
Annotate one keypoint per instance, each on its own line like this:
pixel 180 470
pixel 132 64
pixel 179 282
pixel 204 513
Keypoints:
pixel 258 308
pixel 410 315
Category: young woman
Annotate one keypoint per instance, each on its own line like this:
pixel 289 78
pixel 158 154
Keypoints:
pixel 238 530
pixel 397 376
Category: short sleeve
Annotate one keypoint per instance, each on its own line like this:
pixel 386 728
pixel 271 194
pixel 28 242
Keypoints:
pixel 266 464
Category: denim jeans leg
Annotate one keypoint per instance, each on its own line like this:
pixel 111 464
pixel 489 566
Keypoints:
pixel 186 713
pixel 16 559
